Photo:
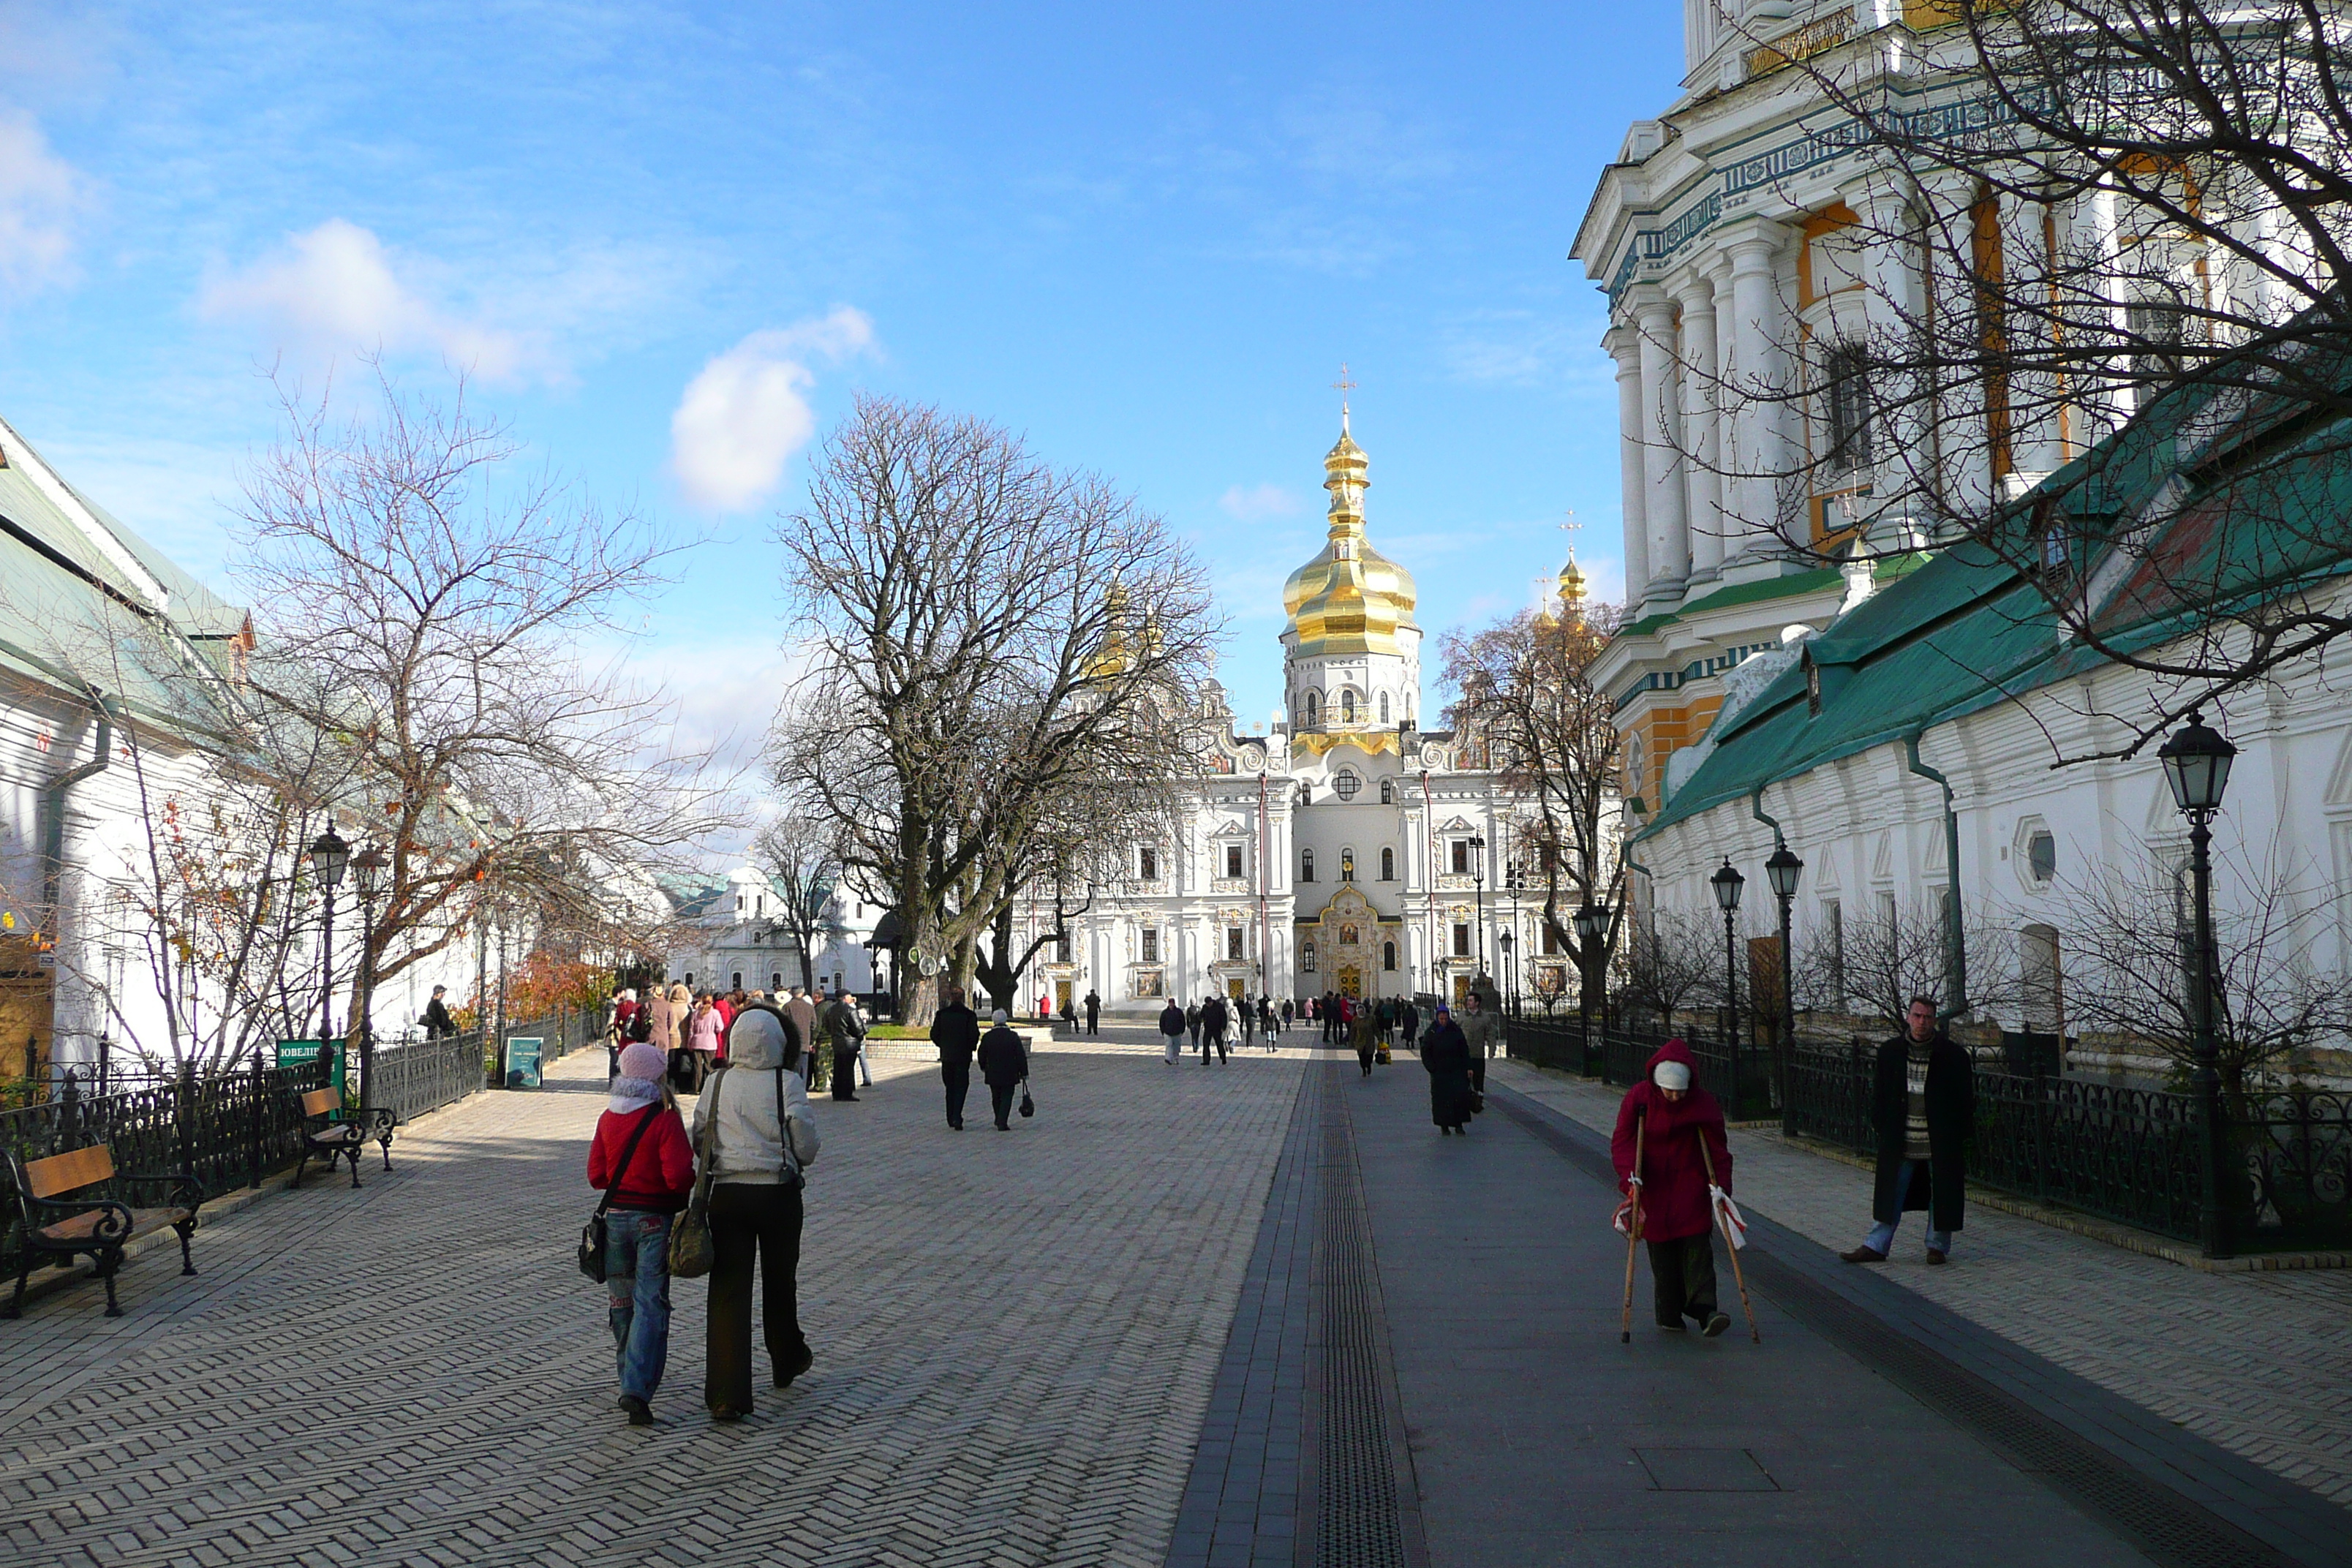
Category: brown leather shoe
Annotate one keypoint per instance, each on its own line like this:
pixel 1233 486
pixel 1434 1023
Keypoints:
pixel 1935 1258
pixel 1863 1255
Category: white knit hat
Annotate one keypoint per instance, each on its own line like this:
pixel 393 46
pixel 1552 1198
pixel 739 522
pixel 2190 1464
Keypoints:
pixel 1670 1075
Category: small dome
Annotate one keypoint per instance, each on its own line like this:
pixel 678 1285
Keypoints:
pixel 1350 598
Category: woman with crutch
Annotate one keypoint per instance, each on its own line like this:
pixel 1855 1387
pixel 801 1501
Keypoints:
pixel 1679 1128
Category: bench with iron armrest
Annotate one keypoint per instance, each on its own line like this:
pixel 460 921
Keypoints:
pixel 331 1133
pixel 59 1227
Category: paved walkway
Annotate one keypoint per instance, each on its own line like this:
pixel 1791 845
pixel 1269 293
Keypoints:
pixel 1015 1336
pixel 2258 1363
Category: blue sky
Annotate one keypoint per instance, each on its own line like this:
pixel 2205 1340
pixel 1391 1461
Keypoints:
pixel 670 241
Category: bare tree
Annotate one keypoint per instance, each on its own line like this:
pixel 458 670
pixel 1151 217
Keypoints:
pixel 1870 966
pixel 1524 696
pixel 1672 962
pixel 426 605
pixel 797 852
pixel 996 636
pixel 2084 219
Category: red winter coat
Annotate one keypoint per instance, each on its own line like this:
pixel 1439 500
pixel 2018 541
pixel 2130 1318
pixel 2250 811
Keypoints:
pixel 1674 1175
pixel 660 1176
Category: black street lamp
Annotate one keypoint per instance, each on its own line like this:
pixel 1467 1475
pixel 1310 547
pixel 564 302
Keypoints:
pixel 367 870
pixel 1591 922
pixel 1782 871
pixel 329 854
pixel 1479 878
pixel 1510 974
pixel 2197 766
pixel 1727 883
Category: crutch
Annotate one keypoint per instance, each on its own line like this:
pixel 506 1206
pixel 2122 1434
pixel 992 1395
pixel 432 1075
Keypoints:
pixel 1632 1232
pixel 1723 1221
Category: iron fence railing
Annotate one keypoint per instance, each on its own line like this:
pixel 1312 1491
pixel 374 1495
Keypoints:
pixel 230 1130
pixel 426 1075
pixel 1742 1079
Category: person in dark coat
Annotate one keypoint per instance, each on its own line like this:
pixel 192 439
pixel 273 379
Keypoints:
pixel 1172 1029
pixel 1003 1064
pixel 1364 1034
pixel 1445 1057
pixel 955 1029
pixel 1409 1021
pixel 1093 1012
pixel 1924 1106
pixel 1676 1212
pixel 1215 1018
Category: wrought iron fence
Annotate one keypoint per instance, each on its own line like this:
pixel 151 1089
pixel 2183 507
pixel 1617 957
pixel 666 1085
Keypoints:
pixel 426 1075
pixel 1558 1043
pixel 2297 1149
pixel 230 1130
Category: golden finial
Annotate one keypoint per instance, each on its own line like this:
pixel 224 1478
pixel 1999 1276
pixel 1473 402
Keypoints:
pixel 1343 386
pixel 1571 580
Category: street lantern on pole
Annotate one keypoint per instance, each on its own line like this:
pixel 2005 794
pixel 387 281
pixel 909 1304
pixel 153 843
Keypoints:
pixel 329 855
pixel 1783 871
pixel 1591 922
pixel 1478 880
pixel 1728 882
pixel 2196 766
pixel 1510 976
pixel 368 867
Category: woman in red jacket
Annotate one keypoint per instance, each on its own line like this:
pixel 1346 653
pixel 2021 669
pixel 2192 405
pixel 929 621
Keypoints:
pixel 643 1155
pixel 1677 1213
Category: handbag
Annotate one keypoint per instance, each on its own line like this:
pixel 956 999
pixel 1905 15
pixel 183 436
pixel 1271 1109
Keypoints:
pixel 1028 1106
pixel 591 1235
pixel 691 1252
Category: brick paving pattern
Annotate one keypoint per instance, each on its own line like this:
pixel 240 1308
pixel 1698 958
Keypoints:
pixel 2258 1363
pixel 1016 1335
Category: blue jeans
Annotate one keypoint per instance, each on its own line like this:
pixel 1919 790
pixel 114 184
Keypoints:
pixel 636 1282
pixel 1882 1234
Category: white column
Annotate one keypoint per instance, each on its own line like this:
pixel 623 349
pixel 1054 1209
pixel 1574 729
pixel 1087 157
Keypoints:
pixel 1761 409
pixel 1700 368
pixel 1662 468
pixel 1624 347
pixel 1893 316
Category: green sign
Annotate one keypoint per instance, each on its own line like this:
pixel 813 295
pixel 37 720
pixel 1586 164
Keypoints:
pixel 302 1053
pixel 522 1061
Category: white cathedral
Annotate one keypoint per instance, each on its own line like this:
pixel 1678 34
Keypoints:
pixel 1348 850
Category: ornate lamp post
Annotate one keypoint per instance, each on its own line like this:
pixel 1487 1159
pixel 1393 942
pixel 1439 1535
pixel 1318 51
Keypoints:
pixel 1727 883
pixel 1592 924
pixel 2196 766
pixel 1510 976
pixel 329 854
pixel 1782 871
pixel 1478 880
pixel 368 867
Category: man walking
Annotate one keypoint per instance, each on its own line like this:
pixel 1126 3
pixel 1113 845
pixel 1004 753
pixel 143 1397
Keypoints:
pixel 1172 1029
pixel 1409 1021
pixel 802 1013
pixel 1923 1106
pixel 1094 1012
pixel 845 1029
pixel 1215 1018
pixel 1482 1028
pixel 955 1029
pixel 1003 1065
pixel 1192 1025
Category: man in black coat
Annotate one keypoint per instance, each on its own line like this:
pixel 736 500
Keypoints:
pixel 1093 1012
pixel 955 1029
pixel 1003 1064
pixel 1924 1106
pixel 1214 1019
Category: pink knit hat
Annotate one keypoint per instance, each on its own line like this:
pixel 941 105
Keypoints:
pixel 644 1059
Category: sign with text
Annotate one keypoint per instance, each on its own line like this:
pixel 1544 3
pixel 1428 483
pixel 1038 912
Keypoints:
pixel 523 1056
pixel 302 1053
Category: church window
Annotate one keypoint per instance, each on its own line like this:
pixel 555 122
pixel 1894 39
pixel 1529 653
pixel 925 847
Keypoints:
pixel 1151 944
pixel 1387 792
pixel 776 982
pixel 2041 856
pixel 1387 864
pixel 1347 708
pixel 1061 947
pixel 1384 706
pixel 1347 784
pixel 1460 939
pixel 1234 939
pixel 1462 856
pixel 1550 939
pixel 1307 865
pixel 1346 865
pixel 1306 955
pixel 1232 859
pixel 1388 956
pixel 1313 708
pixel 739 980
pixel 1307 794
pixel 1147 863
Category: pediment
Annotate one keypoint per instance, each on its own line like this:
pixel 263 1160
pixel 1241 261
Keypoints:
pixel 1457 824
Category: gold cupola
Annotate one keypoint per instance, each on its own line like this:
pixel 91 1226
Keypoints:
pixel 1572 589
pixel 1351 598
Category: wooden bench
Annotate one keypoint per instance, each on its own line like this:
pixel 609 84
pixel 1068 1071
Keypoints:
pixel 59 1228
pixel 331 1133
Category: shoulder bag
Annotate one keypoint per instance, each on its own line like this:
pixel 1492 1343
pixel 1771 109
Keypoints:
pixel 591 1235
pixel 1028 1106
pixel 690 1253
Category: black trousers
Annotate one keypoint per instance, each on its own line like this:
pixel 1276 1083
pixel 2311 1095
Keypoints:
pixel 1684 1272
pixel 844 1072
pixel 1479 1071
pixel 1217 1039
pixel 999 1100
pixel 750 1219
pixel 959 1083
pixel 1094 1022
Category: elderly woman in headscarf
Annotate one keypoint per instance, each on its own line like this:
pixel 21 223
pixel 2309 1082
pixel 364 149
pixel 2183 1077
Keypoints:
pixel 1668 1143
pixel 642 1158
pixel 1445 1054
pixel 754 1125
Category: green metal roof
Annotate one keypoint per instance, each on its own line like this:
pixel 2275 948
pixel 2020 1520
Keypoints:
pixel 1737 594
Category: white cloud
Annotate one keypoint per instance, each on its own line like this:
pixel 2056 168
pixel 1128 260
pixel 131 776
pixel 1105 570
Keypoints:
pixel 1255 503
pixel 747 411
pixel 335 290
pixel 40 196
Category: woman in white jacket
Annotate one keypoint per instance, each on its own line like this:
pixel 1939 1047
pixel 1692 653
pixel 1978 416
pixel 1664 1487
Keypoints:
pixel 754 1125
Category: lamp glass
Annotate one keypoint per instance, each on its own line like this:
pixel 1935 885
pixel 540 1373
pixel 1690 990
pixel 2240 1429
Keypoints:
pixel 1782 871
pixel 1591 921
pixel 2196 766
pixel 368 867
pixel 328 853
pixel 1727 883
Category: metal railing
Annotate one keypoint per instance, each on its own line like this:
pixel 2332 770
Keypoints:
pixel 1743 1079
pixel 426 1075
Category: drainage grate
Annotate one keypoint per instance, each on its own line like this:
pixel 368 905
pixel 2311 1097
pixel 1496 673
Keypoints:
pixel 1359 1522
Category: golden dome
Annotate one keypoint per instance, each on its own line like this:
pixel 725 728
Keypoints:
pixel 1571 586
pixel 1351 598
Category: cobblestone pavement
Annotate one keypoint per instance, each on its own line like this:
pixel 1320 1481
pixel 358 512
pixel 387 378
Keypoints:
pixel 2258 1363
pixel 1015 1338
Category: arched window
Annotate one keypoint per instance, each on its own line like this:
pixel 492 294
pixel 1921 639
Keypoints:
pixel 1384 706
pixel 1387 792
pixel 1313 708
pixel 1387 864
pixel 1306 955
pixel 1307 865
pixel 739 980
pixel 1388 956
pixel 1347 708
pixel 1346 865
pixel 1306 794
pixel 775 982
